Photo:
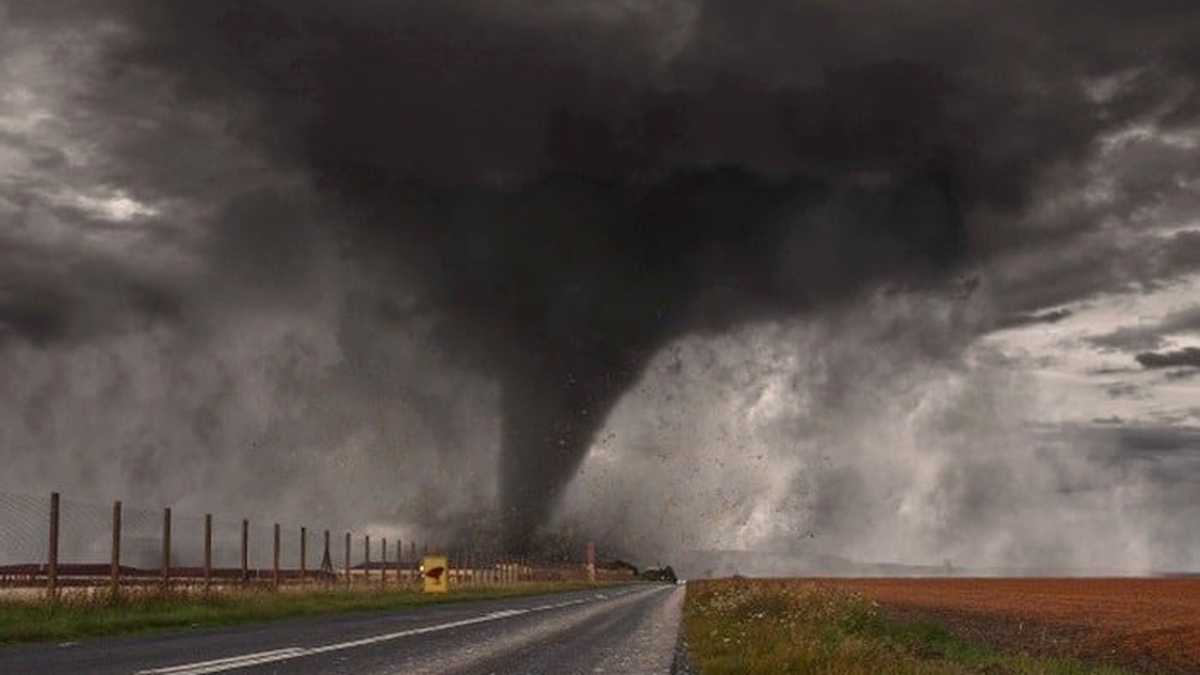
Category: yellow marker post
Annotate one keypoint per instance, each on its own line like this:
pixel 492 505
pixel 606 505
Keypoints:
pixel 435 570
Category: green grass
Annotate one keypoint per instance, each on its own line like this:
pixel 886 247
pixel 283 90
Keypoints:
pixel 771 627
pixel 74 617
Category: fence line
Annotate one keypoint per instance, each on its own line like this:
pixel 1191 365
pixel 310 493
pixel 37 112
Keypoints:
pixel 88 545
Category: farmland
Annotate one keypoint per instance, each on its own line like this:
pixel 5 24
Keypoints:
pixel 1149 623
pixel 945 625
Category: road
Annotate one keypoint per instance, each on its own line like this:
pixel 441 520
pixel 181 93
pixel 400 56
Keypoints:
pixel 626 630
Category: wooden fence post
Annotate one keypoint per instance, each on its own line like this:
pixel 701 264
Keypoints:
pixel 166 548
pixel 115 569
pixel 303 553
pixel 207 552
pixel 245 551
pixel 275 561
pixel 347 568
pixel 52 550
pixel 326 559
pixel 399 564
pixel 383 563
pixel 367 558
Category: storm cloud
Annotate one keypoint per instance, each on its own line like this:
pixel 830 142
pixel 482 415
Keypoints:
pixel 1189 356
pixel 548 194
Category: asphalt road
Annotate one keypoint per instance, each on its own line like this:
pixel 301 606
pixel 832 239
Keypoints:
pixel 627 630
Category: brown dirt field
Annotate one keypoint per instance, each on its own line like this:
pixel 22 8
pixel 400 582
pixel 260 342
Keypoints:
pixel 1150 624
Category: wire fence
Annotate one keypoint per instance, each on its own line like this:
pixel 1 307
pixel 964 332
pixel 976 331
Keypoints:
pixel 22 528
pixel 54 543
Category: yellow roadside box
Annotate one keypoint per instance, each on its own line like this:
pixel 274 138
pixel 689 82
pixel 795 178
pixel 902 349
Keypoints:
pixel 435 570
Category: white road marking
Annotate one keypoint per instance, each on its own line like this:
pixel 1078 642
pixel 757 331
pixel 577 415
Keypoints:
pixel 288 653
pixel 217 665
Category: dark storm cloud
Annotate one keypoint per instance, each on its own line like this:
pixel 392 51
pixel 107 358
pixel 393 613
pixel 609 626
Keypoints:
pixel 1146 338
pixel 265 247
pixel 573 193
pixel 1182 252
pixel 1184 320
pixel 37 316
pixel 1019 320
pixel 47 298
pixel 1124 390
pixel 1094 263
pixel 1173 449
pixel 1160 439
pixel 1189 356
pixel 1170 456
pixel 1129 339
pixel 1185 374
pixel 47 314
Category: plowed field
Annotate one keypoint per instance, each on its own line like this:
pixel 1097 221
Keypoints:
pixel 1149 624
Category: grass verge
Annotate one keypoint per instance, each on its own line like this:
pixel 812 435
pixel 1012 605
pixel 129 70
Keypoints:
pixel 76 617
pixel 787 626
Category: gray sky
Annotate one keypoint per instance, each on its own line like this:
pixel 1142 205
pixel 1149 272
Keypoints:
pixel 330 241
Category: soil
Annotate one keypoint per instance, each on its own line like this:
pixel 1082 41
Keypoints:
pixel 1146 624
